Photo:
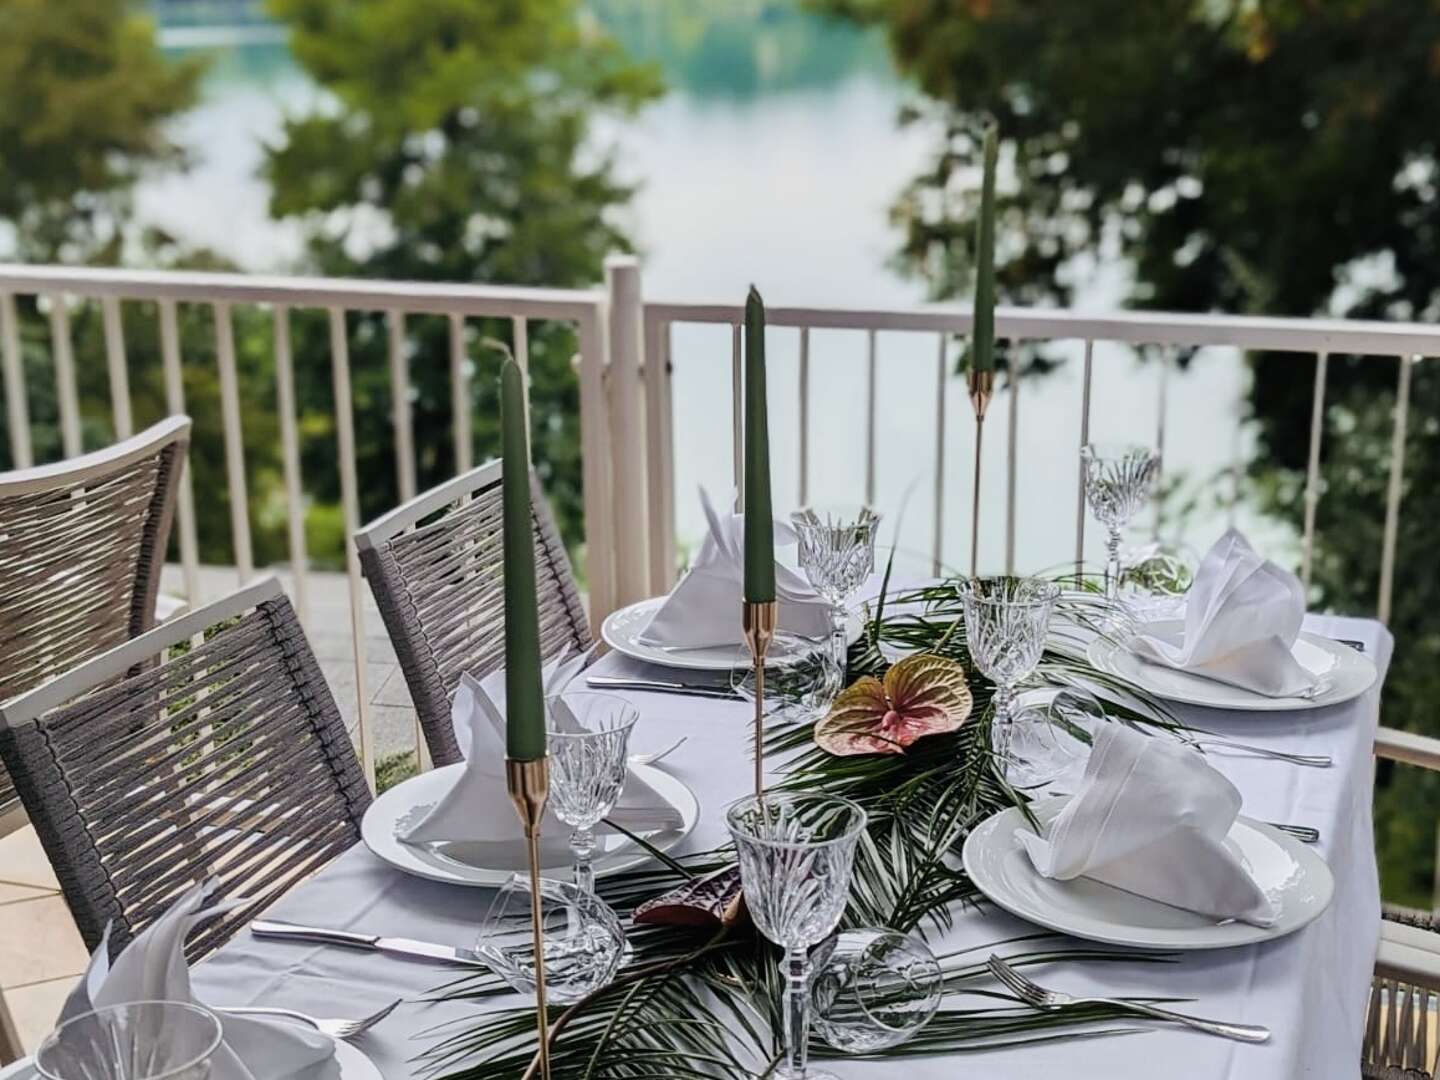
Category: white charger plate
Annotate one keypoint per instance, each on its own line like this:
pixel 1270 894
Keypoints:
pixel 621 630
pixel 351 1063
pixel 1350 673
pixel 1291 874
pixel 483 864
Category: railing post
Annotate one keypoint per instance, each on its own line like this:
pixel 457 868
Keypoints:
pixel 1394 489
pixel 626 339
pixel 17 411
pixel 595 465
pixel 660 454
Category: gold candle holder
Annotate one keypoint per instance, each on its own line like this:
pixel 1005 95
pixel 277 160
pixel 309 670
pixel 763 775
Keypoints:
pixel 758 620
pixel 529 785
pixel 982 389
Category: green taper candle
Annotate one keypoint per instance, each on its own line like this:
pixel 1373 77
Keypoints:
pixel 524 697
pixel 982 356
pixel 759 519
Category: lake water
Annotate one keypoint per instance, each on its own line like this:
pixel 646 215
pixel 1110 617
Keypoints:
pixel 773 158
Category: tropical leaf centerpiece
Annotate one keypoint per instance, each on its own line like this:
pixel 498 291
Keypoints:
pixel 699 995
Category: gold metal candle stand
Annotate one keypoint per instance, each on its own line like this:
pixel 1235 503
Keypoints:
pixel 759 619
pixel 982 389
pixel 529 786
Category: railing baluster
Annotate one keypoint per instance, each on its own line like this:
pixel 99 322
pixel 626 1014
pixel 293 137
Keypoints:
pixel 520 348
pixel 1084 438
pixel 115 362
pixel 17 407
pixel 234 442
pixel 350 500
pixel 804 415
pixel 400 408
pixel 1392 496
pixel 1312 468
pixel 1012 454
pixel 630 476
pixel 737 418
pixel 175 404
pixel 870 419
pixel 460 395
pixel 290 454
pixel 1162 411
pixel 66 392
pixel 937 538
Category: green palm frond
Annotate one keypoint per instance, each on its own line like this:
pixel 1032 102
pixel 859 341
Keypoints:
pixel 694 1003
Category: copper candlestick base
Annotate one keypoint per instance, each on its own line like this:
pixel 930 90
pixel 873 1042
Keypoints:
pixel 529 785
pixel 758 620
pixel 982 389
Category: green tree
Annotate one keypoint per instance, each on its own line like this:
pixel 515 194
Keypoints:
pixel 458 149
pixel 1247 156
pixel 84 98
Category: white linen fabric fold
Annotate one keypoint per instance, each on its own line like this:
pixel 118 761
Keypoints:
pixel 1150 817
pixel 153 968
pixel 704 608
pixel 1242 616
pixel 477 808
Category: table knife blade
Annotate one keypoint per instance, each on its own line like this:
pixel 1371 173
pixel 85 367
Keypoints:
pixel 396 946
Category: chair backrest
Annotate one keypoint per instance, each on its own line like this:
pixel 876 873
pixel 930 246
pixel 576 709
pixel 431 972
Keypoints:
pixel 82 544
pixel 209 747
pixel 436 568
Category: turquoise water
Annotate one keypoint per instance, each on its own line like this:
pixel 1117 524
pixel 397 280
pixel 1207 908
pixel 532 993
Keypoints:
pixel 773 158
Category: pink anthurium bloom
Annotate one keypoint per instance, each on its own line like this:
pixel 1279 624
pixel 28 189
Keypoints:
pixel 922 695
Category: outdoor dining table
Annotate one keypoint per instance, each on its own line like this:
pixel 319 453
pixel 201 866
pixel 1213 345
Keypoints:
pixel 1309 988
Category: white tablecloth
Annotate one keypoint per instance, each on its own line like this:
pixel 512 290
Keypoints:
pixel 1309 988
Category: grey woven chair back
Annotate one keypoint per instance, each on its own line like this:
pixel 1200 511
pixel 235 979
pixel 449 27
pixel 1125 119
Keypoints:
pixel 163 763
pixel 435 568
pixel 82 543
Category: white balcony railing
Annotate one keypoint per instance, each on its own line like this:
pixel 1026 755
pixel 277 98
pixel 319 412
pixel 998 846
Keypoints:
pixel 625 383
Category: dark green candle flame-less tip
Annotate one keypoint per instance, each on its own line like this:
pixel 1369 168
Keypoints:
pixel 982 341
pixel 524 695
pixel 758 609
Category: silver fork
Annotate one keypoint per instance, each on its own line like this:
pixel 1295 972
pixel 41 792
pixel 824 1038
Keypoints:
pixel 658 755
pixel 1317 761
pixel 336 1028
pixel 1040 998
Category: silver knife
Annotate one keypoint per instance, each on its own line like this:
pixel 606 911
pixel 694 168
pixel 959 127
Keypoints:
pixel 620 682
pixel 396 946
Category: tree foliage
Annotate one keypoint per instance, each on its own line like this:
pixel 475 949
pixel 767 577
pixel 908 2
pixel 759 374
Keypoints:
pixel 1246 156
pixel 458 149
pixel 84 97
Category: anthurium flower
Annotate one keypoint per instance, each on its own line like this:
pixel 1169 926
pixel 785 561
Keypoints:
pixel 922 695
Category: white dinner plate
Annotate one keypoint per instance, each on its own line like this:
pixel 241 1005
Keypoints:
pixel 621 630
pixel 1291 874
pixel 353 1065
pixel 1349 672
pixel 492 864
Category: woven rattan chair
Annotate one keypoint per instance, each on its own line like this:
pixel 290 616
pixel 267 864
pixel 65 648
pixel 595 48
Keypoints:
pixel 82 543
pixel 162 763
pixel 435 567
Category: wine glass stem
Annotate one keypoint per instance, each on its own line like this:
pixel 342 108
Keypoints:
pixel 1112 566
pixel 1003 721
pixel 582 846
pixel 839 646
pixel 796 970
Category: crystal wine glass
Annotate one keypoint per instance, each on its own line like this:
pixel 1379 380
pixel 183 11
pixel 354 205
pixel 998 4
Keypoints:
pixel 142 1040
pixel 797 852
pixel 873 989
pixel 589 741
pixel 837 553
pixel 584 941
pixel 1118 481
pixel 1007 621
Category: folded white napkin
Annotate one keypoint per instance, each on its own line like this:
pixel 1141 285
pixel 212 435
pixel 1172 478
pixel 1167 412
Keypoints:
pixel 704 608
pixel 1150 817
pixel 477 808
pixel 153 968
pixel 1242 616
